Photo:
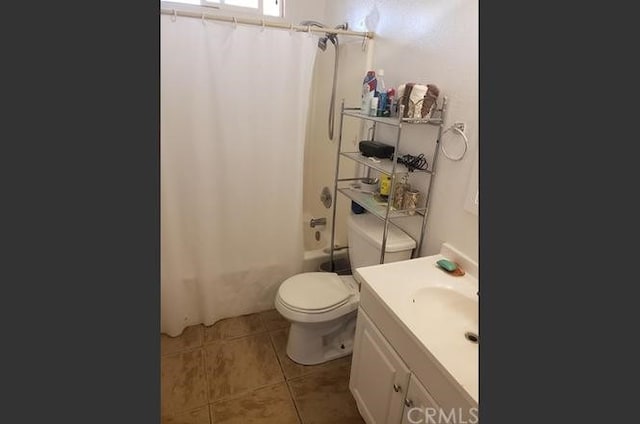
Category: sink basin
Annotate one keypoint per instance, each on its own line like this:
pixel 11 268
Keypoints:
pixel 440 313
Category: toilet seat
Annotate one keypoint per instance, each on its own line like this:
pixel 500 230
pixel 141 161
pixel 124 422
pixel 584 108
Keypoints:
pixel 314 292
pixel 317 296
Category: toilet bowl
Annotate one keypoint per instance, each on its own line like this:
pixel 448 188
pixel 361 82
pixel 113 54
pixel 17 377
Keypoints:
pixel 322 306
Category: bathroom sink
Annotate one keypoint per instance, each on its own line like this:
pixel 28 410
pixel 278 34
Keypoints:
pixel 445 314
pixel 437 310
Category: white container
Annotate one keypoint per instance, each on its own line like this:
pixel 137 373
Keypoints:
pixel 374 106
pixel 365 107
pixel 368 90
pixel 365 241
pixel 370 185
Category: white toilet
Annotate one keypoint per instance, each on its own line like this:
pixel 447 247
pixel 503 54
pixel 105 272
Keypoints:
pixel 322 306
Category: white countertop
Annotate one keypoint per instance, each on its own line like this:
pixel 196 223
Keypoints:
pixel 437 318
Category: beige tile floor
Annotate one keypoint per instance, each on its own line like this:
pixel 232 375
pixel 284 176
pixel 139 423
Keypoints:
pixel 237 372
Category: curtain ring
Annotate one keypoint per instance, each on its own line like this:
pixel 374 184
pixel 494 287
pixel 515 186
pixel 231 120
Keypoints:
pixel 263 25
pixel 364 42
pixel 309 30
pixel 203 21
pixel 235 23
pixel 174 16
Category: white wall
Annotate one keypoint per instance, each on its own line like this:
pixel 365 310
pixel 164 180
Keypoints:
pixel 302 10
pixel 429 41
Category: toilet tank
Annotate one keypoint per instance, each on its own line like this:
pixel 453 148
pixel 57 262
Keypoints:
pixel 364 235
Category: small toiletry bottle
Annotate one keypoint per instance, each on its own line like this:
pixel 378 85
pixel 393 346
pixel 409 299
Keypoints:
pixel 368 89
pixel 374 106
pixel 385 185
pixel 391 105
pixel 381 89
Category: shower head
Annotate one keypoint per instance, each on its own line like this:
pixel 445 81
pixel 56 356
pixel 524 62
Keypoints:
pixel 322 43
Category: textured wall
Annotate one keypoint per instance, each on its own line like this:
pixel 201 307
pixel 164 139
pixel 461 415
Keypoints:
pixel 429 41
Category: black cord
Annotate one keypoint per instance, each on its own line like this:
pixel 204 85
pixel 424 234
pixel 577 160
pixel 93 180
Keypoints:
pixel 414 162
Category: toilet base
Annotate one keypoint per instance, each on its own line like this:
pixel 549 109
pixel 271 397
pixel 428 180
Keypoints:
pixel 315 343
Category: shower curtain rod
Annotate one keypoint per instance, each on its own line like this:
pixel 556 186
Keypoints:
pixel 263 23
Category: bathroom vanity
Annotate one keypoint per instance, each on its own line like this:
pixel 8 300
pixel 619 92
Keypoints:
pixel 415 356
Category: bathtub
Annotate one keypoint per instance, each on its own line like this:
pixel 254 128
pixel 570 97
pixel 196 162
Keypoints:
pixel 314 258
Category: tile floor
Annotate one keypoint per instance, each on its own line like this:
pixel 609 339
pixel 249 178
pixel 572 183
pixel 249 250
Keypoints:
pixel 237 372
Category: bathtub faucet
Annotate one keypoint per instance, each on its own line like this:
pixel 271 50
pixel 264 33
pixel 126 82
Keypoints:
pixel 317 221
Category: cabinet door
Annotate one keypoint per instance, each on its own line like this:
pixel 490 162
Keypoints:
pixel 419 406
pixel 378 378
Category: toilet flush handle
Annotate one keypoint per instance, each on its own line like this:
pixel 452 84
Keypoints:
pixel 317 221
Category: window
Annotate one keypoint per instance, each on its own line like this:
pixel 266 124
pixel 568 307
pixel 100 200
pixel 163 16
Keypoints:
pixel 256 7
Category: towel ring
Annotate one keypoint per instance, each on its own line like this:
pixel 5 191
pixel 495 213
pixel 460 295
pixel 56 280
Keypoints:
pixel 466 143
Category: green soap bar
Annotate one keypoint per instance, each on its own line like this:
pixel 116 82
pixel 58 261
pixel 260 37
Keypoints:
pixel 448 265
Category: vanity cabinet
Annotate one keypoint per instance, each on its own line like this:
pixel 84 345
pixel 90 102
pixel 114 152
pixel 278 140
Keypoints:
pixel 410 352
pixel 379 378
pixel 385 389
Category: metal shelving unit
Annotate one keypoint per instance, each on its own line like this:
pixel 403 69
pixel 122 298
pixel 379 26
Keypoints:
pixel 371 202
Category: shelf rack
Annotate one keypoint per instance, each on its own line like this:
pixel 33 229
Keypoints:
pixel 384 210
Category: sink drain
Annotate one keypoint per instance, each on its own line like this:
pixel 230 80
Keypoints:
pixel 472 337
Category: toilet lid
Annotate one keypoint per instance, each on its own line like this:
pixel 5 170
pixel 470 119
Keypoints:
pixel 312 291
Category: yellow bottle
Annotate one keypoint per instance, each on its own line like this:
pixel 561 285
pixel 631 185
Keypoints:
pixel 385 185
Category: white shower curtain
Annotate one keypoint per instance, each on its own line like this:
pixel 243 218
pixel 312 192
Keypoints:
pixel 233 115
